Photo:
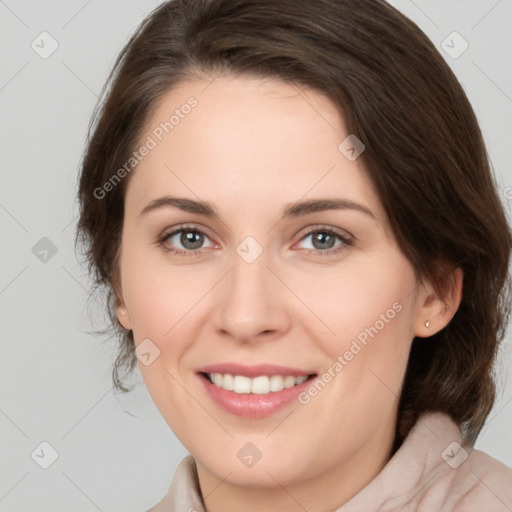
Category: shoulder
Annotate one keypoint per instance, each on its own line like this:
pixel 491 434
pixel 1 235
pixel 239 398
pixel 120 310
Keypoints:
pixel 184 492
pixel 434 470
pixel 469 481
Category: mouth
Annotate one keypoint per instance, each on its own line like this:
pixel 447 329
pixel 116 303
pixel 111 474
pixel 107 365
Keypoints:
pixel 253 391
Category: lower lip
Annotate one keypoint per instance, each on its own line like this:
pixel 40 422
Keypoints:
pixel 251 405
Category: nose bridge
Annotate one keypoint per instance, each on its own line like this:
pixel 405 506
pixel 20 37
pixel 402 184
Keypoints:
pixel 249 277
pixel 250 302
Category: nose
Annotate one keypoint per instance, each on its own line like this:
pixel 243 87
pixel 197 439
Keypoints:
pixel 251 303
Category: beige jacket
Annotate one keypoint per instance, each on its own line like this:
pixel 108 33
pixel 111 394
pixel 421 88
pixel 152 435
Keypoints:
pixel 431 472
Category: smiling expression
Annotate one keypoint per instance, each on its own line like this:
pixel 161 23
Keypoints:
pixel 250 239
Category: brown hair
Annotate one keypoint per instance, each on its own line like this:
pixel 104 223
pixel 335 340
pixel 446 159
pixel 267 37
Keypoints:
pixel 424 153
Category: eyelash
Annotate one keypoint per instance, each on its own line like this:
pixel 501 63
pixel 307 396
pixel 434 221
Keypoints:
pixel 191 253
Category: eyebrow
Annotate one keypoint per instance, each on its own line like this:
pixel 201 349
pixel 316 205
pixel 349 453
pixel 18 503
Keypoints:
pixel 292 210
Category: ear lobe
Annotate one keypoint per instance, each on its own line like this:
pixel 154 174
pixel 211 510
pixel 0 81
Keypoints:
pixel 436 311
pixel 123 317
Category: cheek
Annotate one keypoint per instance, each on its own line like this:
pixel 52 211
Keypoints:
pixel 165 305
pixel 366 326
pixel 159 296
pixel 364 301
pixel 162 303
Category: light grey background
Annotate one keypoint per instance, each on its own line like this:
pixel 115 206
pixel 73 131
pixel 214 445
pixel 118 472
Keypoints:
pixel 115 452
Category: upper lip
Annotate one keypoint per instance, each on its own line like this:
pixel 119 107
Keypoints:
pixel 253 370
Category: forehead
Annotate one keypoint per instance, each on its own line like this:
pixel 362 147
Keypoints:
pixel 237 140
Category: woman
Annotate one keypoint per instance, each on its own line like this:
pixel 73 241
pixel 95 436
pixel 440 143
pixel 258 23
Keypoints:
pixel 292 209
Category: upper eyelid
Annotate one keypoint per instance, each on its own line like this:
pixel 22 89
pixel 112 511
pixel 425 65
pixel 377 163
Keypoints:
pixel 176 230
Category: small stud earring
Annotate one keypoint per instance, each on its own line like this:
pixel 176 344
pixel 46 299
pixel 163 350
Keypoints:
pixel 427 323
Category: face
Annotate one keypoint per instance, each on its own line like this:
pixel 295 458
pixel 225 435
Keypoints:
pixel 252 246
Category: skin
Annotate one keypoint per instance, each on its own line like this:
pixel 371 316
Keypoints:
pixel 249 147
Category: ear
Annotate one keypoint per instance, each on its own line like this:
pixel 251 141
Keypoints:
pixel 122 312
pixel 435 311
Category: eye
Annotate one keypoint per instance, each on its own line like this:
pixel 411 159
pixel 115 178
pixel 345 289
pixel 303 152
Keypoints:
pixel 323 241
pixel 190 238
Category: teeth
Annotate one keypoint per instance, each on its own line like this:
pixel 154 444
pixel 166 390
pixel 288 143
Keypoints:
pixel 227 382
pixel 259 385
pixel 240 384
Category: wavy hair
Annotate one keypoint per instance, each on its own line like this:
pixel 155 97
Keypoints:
pixel 424 153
